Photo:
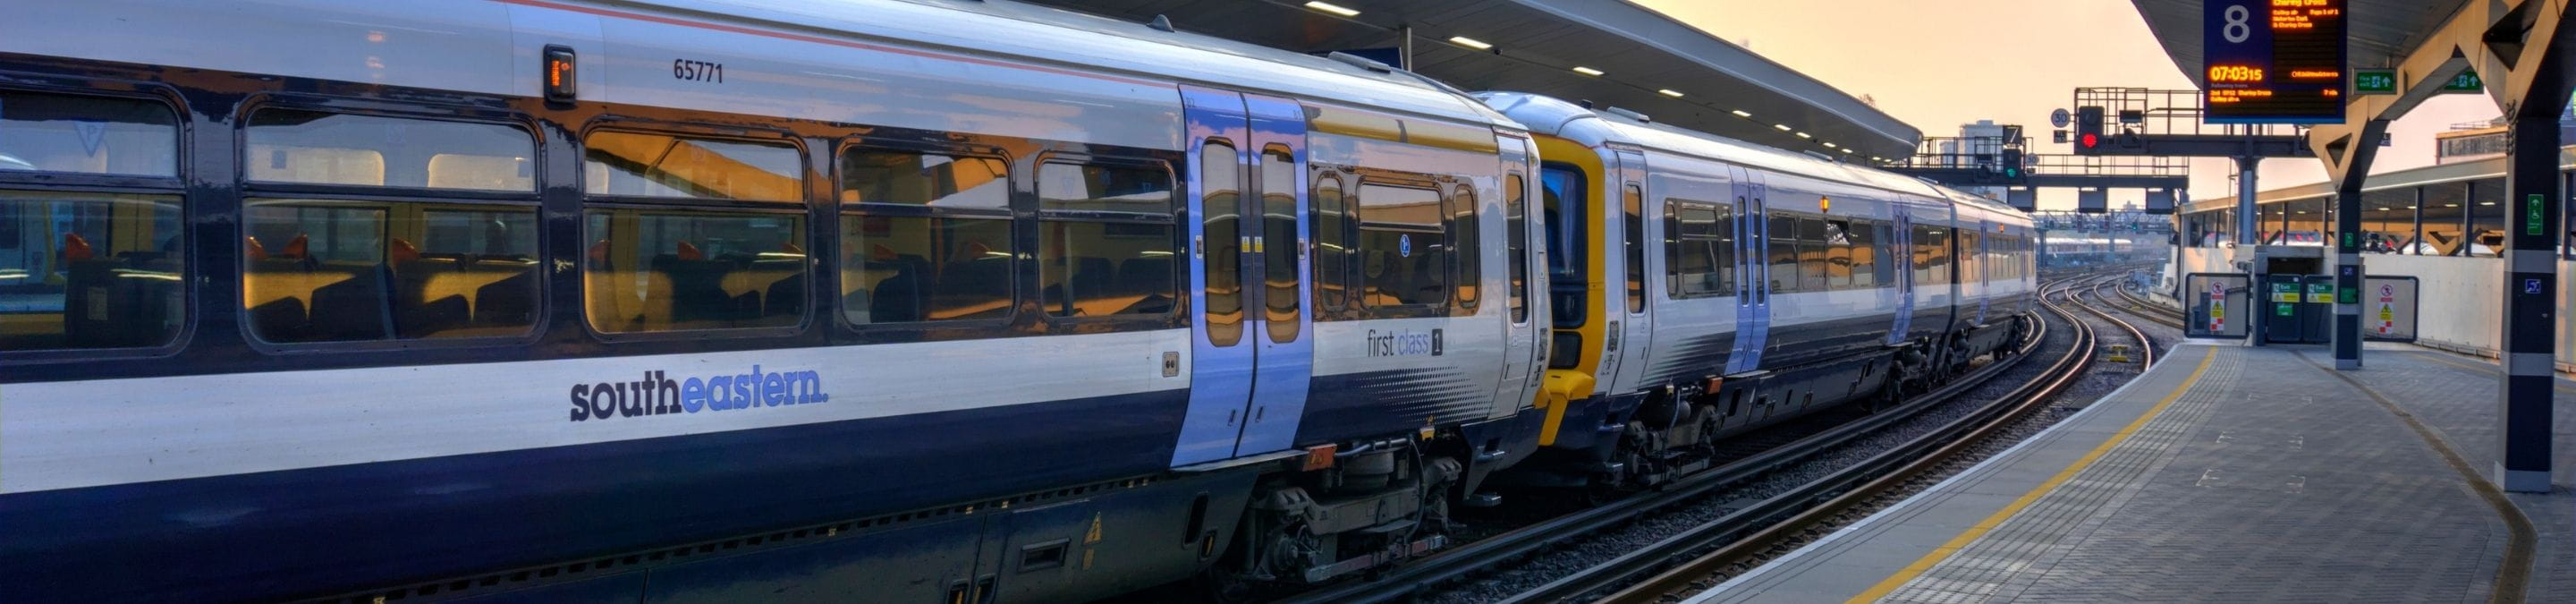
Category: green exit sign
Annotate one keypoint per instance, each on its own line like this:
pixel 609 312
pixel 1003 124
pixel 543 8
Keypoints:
pixel 2467 81
pixel 2374 81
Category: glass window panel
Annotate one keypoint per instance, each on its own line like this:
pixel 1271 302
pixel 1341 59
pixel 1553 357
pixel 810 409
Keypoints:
pixel 902 269
pixel 1633 201
pixel 2387 220
pixel 657 270
pixel 1332 243
pixel 1464 250
pixel 1403 259
pixel 1784 254
pixel 1516 242
pixel 1568 239
pixel 1279 243
pixel 287 145
pixel 90 270
pixel 924 179
pixel 640 164
pixel 1220 180
pixel 1104 267
pixel 340 271
pixel 1838 255
pixel 87 134
pixel 1095 269
pixel 1104 188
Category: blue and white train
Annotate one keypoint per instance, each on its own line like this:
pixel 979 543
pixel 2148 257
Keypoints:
pixel 872 300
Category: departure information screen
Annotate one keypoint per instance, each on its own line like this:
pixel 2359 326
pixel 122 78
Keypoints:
pixel 2273 61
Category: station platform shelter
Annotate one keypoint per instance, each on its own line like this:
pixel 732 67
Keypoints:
pixel 2226 473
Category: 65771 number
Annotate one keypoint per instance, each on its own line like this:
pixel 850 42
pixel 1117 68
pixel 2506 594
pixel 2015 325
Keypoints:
pixel 697 71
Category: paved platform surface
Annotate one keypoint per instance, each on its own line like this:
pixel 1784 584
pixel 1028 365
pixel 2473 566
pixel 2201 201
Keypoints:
pixel 2225 474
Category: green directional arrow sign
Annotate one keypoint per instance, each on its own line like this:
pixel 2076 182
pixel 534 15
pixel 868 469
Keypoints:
pixel 2374 81
pixel 2531 214
pixel 2467 81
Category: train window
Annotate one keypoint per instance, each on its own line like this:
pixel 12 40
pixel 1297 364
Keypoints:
pixel 314 147
pixel 1812 248
pixel 1673 249
pixel 924 237
pixel 1403 259
pixel 1700 259
pixel 1932 255
pixel 1838 255
pixel 1864 254
pixel 1332 253
pixel 342 271
pixel 1565 200
pixel 1464 249
pixel 638 164
pixel 1279 242
pixel 651 270
pixel 1633 200
pixel 1221 247
pixel 89 270
pixel 87 134
pixel 1784 253
pixel 1106 240
pixel 1516 242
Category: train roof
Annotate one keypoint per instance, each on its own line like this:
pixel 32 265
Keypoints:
pixel 1667 137
pixel 1090 42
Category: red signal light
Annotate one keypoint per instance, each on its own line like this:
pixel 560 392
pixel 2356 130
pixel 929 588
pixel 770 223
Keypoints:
pixel 2089 140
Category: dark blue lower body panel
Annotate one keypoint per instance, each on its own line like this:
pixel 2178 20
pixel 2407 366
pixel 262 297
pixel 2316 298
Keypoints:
pixel 324 530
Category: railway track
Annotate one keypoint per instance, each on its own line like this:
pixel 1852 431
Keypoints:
pixel 1468 562
pixel 1708 552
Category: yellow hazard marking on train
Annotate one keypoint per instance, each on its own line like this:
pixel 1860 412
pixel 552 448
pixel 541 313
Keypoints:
pixel 1938 554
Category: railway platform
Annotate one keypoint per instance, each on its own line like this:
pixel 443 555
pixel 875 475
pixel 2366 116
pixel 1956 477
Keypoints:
pixel 2226 473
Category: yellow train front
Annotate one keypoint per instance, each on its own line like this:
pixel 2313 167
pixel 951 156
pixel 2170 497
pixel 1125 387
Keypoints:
pixel 1703 287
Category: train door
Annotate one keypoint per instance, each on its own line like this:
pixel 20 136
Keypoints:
pixel 1984 240
pixel 1521 336
pixel 1902 253
pixel 1274 274
pixel 1636 329
pixel 1753 288
pixel 1236 145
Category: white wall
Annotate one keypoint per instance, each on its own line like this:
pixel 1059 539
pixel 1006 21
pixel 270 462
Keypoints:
pixel 2461 310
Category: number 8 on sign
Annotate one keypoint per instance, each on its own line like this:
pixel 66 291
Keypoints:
pixel 2238 28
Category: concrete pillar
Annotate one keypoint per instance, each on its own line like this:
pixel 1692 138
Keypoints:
pixel 2245 218
pixel 2534 209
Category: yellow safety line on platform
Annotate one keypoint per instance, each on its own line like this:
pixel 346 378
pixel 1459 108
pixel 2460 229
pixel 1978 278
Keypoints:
pixel 1925 563
pixel 2445 358
pixel 2513 574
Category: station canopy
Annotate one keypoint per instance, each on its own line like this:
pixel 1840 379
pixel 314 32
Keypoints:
pixel 1535 46
pixel 2381 32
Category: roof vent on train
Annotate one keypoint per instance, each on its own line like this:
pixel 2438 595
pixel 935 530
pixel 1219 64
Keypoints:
pixel 1361 62
pixel 1162 23
pixel 1626 113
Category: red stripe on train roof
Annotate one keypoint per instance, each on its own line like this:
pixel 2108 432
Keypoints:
pixel 824 40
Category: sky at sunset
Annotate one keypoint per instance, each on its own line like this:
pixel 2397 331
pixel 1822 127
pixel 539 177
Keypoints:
pixel 1937 64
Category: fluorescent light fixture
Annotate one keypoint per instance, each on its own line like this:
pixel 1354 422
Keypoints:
pixel 1333 8
pixel 1782 127
pixel 1670 92
pixel 2450 205
pixel 1741 113
pixel 1586 70
pixel 1470 43
pixel 1804 135
pixel 1829 145
pixel 2486 203
pixel 1848 150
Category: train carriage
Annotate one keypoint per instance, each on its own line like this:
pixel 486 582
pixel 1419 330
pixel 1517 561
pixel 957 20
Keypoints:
pixel 871 300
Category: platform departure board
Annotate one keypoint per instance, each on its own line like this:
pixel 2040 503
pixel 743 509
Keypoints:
pixel 2273 61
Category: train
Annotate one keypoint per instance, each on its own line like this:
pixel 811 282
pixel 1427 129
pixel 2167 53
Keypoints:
pixel 874 300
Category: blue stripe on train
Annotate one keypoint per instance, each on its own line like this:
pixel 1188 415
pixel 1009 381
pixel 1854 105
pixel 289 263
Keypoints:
pixel 324 530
